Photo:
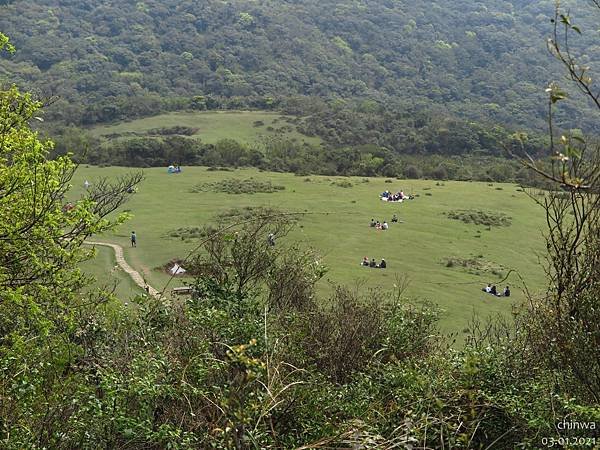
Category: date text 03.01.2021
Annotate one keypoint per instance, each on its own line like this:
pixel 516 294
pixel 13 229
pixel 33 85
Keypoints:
pixel 572 441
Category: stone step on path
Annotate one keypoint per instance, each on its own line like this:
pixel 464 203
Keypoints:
pixel 134 274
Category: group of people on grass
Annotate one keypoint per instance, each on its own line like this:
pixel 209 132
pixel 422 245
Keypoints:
pixel 174 168
pixel 366 263
pixel 492 290
pixel 397 197
pixel 383 225
pixel 489 289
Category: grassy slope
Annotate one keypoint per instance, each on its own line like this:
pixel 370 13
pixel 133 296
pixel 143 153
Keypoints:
pixel 341 233
pixel 213 126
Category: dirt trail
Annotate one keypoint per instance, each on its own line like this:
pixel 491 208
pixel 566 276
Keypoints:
pixel 134 274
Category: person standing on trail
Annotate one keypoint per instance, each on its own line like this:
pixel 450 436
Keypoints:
pixel 133 239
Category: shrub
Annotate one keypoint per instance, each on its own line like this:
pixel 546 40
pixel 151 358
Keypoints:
pixel 238 186
pixel 352 331
pixel 440 173
pixel 475 265
pixel 342 183
pixel 292 280
pixel 412 172
pixel 242 257
pixel 174 130
pixel 479 217
pixel 250 212
pixel 186 233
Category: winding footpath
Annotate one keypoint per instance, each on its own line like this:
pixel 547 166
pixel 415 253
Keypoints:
pixel 134 274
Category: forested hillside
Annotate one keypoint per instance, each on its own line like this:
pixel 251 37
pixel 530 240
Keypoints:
pixel 480 60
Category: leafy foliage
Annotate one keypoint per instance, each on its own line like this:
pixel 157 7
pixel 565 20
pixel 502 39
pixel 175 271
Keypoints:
pixel 476 265
pixel 478 217
pixel 44 320
pixel 112 61
pixel 238 186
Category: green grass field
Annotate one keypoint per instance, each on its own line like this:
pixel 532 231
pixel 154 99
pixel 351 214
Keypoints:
pixel 212 126
pixel 338 227
pixel 107 274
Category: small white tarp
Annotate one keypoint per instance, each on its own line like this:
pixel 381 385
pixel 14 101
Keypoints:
pixel 177 270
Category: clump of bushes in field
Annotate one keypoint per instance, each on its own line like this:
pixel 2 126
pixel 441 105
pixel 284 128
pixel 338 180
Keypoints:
pixel 185 233
pixel 475 265
pixel 239 186
pixel 219 169
pixel 175 130
pixel 480 217
pixel 250 212
pixel 342 183
pixel 228 216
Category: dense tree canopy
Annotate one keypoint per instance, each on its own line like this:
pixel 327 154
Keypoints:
pixel 109 59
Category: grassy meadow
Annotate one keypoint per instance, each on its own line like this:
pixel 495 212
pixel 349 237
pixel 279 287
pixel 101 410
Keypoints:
pixel 243 126
pixel 105 271
pixel 428 247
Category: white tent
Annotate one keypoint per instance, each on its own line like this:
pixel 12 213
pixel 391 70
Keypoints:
pixel 177 270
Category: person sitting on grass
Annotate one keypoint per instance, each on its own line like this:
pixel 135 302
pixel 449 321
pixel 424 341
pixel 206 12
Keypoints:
pixel 373 263
pixel 382 264
pixel 373 223
pixel 385 226
pixel 395 219
pixel 365 262
pixel 493 291
pixel 378 225
pixel 487 289
pixel 506 292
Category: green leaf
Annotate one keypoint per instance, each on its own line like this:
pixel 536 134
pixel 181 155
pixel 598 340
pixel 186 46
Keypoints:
pixel 556 96
pixel 572 152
